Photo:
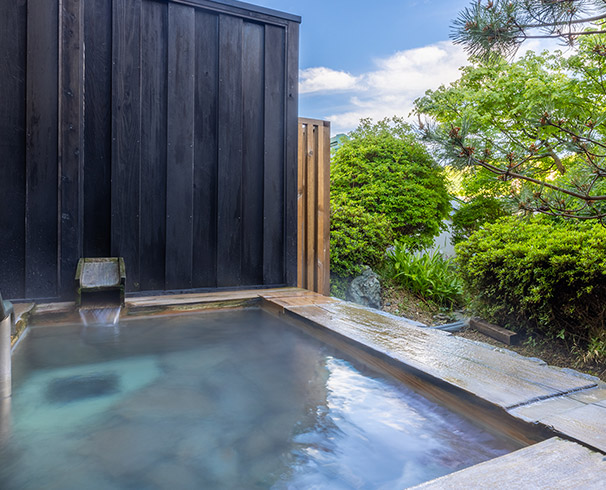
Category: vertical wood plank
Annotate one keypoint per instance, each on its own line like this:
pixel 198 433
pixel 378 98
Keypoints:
pixel 126 136
pixel 253 90
pixel 154 70
pixel 229 224
pixel 312 204
pixel 302 205
pixel 97 128
pixel 71 139
pixel 13 39
pixel 180 159
pixel 41 235
pixel 205 151
pixel 323 211
pixel 291 121
pixel 274 183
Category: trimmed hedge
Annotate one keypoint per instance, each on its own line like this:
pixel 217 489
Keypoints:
pixel 357 238
pixel 541 276
pixel 382 176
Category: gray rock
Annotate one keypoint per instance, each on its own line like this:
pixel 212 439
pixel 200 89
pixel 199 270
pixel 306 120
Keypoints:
pixel 365 290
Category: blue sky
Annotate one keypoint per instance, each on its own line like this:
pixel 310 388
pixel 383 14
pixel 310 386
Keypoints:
pixel 371 58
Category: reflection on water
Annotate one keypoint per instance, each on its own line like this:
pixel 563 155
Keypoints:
pixel 235 400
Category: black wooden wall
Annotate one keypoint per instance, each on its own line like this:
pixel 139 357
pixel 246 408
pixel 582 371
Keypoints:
pixel 163 131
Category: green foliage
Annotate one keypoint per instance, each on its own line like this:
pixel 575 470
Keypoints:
pixel 427 274
pixel 488 27
pixel 357 237
pixel 472 215
pixel 540 275
pixel 538 125
pixel 383 176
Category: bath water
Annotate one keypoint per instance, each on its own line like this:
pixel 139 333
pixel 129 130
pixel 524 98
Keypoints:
pixel 232 400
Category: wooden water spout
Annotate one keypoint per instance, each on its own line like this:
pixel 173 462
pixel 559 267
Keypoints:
pixel 100 282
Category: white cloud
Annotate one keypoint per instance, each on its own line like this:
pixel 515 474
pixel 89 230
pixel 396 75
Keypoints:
pixel 321 79
pixel 391 88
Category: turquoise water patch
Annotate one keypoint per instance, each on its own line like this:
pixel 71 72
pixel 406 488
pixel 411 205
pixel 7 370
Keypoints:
pixel 38 405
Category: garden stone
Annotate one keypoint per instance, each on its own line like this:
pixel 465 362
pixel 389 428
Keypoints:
pixel 365 290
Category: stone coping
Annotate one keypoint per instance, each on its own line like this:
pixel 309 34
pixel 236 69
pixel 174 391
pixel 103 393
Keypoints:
pixel 554 463
pixel 565 402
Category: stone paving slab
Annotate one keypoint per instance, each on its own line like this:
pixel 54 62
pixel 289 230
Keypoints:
pixel 492 374
pixel 595 395
pixel 552 464
pixel 534 412
pixel 586 424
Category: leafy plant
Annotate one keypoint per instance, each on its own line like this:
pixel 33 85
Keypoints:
pixel 427 274
pixel 540 275
pixel 384 185
pixel 538 124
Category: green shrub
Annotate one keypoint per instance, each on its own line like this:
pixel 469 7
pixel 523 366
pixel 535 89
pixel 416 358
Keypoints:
pixel 541 276
pixel 427 274
pixel 472 215
pixel 357 238
pixel 382 177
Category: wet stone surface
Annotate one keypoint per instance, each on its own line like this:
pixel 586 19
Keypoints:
pixel 235 400
pixel 553 464
pixel 496 375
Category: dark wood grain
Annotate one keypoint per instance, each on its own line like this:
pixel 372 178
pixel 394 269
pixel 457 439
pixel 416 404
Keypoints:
pixel 13 37
pixel 71 140
pixel 154 73
pixel 291 122
pixel 97 128
pixel 204 272
pixel 253 94
pixel 180 159
pixel 229 213
pixel 273 209
pixel 41 236
pixel 126 136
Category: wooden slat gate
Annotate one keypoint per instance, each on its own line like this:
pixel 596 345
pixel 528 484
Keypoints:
pixel 314 206
pixel 162 131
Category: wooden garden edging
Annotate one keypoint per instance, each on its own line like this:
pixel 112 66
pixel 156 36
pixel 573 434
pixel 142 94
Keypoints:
pixel 313 251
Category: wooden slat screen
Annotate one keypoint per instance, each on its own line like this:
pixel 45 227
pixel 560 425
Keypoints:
pixel 314 206
pixel 172 143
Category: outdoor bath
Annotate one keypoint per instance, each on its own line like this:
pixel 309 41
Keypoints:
pixel 229 400
pixel 168 133
pixel 185 395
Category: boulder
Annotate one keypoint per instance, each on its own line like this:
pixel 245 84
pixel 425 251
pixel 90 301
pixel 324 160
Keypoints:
pixel 365 289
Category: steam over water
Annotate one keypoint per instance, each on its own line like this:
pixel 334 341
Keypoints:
pixel 236 400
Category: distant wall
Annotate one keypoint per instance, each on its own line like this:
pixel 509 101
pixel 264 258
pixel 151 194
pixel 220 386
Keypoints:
pixel 443 242
pixel 163 131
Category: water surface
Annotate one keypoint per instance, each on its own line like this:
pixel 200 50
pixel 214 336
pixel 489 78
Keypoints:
pixel 232 400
